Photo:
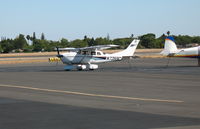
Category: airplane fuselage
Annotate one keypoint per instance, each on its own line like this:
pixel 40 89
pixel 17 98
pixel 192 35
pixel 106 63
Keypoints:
pixel 193 52
pixel 75 58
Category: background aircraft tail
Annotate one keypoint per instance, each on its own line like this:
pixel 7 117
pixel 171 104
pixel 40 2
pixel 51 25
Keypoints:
pixel 130 50
pixel 170 46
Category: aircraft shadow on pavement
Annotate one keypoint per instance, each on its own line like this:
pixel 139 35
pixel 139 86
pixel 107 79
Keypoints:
pixel 105 68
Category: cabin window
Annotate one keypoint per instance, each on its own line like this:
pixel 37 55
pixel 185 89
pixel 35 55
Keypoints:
pixel 93 53
pixel 84 52
pixel 98 53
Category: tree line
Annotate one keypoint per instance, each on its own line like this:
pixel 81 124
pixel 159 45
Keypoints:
pixel 30 43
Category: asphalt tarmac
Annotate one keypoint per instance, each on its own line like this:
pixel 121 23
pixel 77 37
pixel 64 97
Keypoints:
pixel 137 94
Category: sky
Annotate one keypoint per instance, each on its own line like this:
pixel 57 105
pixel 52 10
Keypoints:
pixel 73 19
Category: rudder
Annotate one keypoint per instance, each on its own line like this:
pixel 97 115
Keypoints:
pixel 170 46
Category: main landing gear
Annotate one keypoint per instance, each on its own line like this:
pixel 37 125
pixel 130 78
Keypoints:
pixel 81 67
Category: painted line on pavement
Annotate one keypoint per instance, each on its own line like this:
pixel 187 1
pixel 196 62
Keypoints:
pixel 89 94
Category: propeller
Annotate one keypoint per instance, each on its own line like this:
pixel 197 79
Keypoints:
pixel 58 55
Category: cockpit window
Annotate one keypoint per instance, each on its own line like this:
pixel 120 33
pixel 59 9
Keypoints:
pixel 85 53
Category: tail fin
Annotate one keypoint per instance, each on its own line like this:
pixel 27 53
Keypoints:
pixel 170 46
pixel 130 50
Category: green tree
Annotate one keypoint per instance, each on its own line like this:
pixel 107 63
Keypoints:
pixel 91 42
pixel 108 37
pixel 196 39
pixel 51 45
pixel 42 36
pixel 39 45
pixel 1 49
pixel 28 48
pixel 64 42
pixel 85 38
pixel 78 43
pixel 101 41
pixel 182 40
pixel 34 36
pixel 20 42
pixel 7 45
pixel 122 42
pixel 168 33
pixel 132 36
pixel 147 40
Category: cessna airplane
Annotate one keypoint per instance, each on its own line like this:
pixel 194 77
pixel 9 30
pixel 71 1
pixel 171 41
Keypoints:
pixel 87 57
pixel 170 50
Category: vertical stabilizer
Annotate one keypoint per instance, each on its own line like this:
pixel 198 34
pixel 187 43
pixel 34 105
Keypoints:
pixel 170 46
pixel 130 50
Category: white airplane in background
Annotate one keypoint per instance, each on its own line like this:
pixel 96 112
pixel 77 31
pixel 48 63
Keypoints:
pixel 170 50
pixel 88 57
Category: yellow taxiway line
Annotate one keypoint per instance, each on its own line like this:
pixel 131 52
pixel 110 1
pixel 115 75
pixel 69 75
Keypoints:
pixel 89 94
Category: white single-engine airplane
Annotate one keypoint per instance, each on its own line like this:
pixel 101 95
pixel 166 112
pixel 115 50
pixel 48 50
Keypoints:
pixel 170 50
pixel 87 57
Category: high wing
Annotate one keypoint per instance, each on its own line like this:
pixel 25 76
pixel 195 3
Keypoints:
pixel 68 49
pixel 98 47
